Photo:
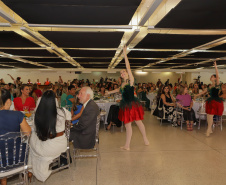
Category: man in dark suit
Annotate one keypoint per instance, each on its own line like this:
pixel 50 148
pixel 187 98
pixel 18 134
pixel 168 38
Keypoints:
pixel 83 133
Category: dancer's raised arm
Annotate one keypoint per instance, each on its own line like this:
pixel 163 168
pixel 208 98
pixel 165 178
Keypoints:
pixel 131 78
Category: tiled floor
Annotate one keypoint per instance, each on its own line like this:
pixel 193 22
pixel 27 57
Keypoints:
pixel 174 157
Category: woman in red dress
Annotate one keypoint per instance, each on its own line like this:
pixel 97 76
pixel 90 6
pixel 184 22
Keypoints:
pixel 24 99
pixel 214 104
pixel 130 107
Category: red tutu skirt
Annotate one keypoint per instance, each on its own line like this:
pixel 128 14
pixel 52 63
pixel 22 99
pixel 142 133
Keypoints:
pixel 130 114
pixel 214 107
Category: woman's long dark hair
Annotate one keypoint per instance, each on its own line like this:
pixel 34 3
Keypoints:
pixel 4 96
pixel 35 87
pixel 164 88
pixel 46 116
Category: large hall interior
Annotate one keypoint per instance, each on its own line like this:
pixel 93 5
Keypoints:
pixel 159 49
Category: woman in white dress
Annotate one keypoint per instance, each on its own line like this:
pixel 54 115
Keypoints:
pixel 48 141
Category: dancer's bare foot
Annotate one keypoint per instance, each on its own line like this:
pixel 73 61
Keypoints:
pixel 208 133
pixel 146 142
pixel 125 148
pixel 108 127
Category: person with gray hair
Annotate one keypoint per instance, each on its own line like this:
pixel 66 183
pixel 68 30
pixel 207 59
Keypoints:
pixel 83 133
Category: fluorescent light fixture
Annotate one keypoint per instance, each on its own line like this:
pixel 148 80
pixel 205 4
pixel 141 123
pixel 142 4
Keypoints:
pixel 87 71
pixel 34 36
pixel 136 31
pixel 155 72
pixel 124 27
pixel 45 69
pixel 200 68
pixel 151 27
pixel 7 17
pixel 5 25
pixel 141 72
pixel 111 71
pixel 149 12
pixel 4 65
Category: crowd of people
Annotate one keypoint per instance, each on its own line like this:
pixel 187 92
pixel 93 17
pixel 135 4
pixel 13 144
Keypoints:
pixel 182 96
pixel 55 103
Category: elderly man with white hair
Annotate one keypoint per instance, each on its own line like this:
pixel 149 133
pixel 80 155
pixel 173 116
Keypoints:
pixel 83 133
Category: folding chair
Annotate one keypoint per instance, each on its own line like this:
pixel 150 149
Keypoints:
pixel 14 150
pixel 77 152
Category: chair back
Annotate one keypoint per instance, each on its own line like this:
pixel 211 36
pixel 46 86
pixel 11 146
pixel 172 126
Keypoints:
pixel 67 128
pixel 14 150
pixel 98 126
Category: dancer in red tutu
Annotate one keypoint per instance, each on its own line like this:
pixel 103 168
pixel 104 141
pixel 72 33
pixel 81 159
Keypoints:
pixel 130 107
pixel 214 104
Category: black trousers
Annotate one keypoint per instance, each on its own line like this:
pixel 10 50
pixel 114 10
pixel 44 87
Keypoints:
pixel 113 115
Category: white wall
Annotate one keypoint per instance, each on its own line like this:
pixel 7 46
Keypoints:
pixel 139 78
pixel 53 76
pixel 34 75
pixel 205 76
pixel 153 77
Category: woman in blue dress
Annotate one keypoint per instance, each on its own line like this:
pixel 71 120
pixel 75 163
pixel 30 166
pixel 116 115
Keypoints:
pixel 10 121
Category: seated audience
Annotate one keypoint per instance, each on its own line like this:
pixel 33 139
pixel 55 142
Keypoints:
pixel 48 140
pixel 223 91
pixel 171 88
pixel 60 81
pixel 151 95
pixel 29 82
pixel 185 102
pixel 36 92
pixel 142 95
pixel 190 87
pixel 47 82
pixel 24 99
pixel 102 91
pixel 70 97
pixel 10 121
pixel 76 111
pixel 112 118
pixel 84 132
pixel 64 96
pixel 38 83
pixel 2 81
pixel 159 83
pixel 195 89
pixel 59 91
pixel 17 82
pixel 169 104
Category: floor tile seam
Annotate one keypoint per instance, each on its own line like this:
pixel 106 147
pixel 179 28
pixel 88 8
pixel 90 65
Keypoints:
pixel 157 151
pixel 206 144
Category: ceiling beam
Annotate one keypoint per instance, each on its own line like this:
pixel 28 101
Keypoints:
pixel 7 17
pixel 144 14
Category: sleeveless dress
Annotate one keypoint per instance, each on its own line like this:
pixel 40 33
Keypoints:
pixel 214 104
pixel 170 111
pixel 130 108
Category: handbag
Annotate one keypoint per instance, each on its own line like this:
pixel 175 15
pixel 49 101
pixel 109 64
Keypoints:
pixel 159 111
